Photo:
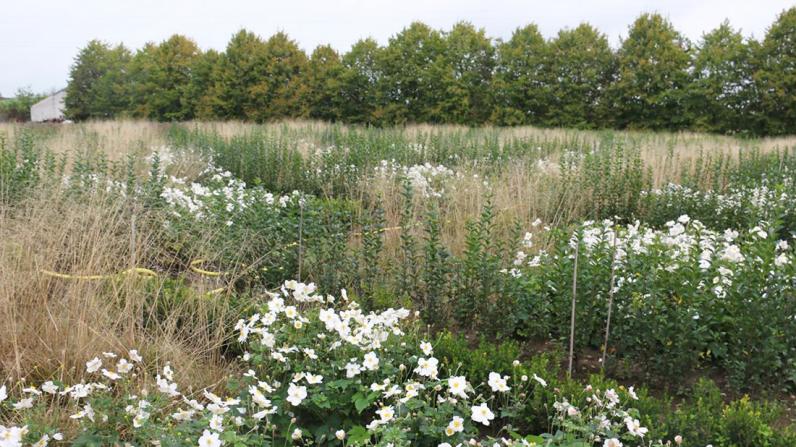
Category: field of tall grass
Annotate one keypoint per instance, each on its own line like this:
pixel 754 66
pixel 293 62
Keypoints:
pixel 311 283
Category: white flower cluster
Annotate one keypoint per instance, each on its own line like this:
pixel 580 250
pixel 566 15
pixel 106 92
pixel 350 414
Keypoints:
pixel 222 195
pixel 350 326
pixel 685 244
pixel 296 372
pixel 351 330
pixel 77 396
pixel 604 412
pixel 546 166
pixel 521 257
pixel 760 200
pixel 329 162
pixel 95 182
pixel 681 244
pixel 166 156
pixel 428 180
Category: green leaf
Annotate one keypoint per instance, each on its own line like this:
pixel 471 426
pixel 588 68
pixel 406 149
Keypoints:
pixel 321 401
pixel 339 384
pixel 358 435
pixel 360 402
pixel 534 439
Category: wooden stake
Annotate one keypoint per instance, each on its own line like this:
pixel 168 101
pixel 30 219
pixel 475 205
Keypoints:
pixel 300 235
pixel 610 302
pixel 574 302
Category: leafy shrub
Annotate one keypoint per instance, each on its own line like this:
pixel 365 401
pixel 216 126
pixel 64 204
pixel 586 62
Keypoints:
pixel 18 108
pixel 682 297
pixel 322 371
pixel 738 207
pixel 24 165
pixel 252 234
pixel 705 418
pixel 456 354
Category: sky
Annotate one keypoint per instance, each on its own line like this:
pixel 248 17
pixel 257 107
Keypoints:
pixel 39 39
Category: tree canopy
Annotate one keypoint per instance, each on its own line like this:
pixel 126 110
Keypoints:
pixel 656 79
pixel 99 82
pixel 652 75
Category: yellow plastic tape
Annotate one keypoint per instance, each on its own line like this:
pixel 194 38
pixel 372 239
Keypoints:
pixel 138 270
pixel 194 268
pixel 383 230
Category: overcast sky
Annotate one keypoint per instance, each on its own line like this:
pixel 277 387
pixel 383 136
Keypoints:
pixel 39 38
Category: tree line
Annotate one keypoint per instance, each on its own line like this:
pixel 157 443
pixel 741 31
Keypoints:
pixel 656 79
pixel 18 107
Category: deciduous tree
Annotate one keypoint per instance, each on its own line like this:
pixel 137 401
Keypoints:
pixel 203 87
pixel 580 68
pixel 776 76
pixel 723 94
pixel 360 101
pixel 470 62
pixel 18 107
pixel 322 84
pixel 241 70
pixel 412 75
pixel 99 84
pixel 276 94
pixel 652 79
pixel 520 88
pixel 161 77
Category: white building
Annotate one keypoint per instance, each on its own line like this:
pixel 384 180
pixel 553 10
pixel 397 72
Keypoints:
pixel 50 108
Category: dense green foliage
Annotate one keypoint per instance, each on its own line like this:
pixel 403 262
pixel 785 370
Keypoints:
pixel 709 294
pixel 162 77
pixel 652 75
pixel 777 74
pixel 99 82
pixel 656 79
pixel 723 87
pixel 473 290
pixel 18 107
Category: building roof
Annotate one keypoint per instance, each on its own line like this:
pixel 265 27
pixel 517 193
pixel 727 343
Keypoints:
pixel 48 97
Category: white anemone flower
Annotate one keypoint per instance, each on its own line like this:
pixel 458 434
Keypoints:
pixel 296 394
pixel 498 383
pixel 386 414
pixel 209 439
pixel 371 361
pixel 482 414
pixel 457 385
pixel 93 365
pixel 456 424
